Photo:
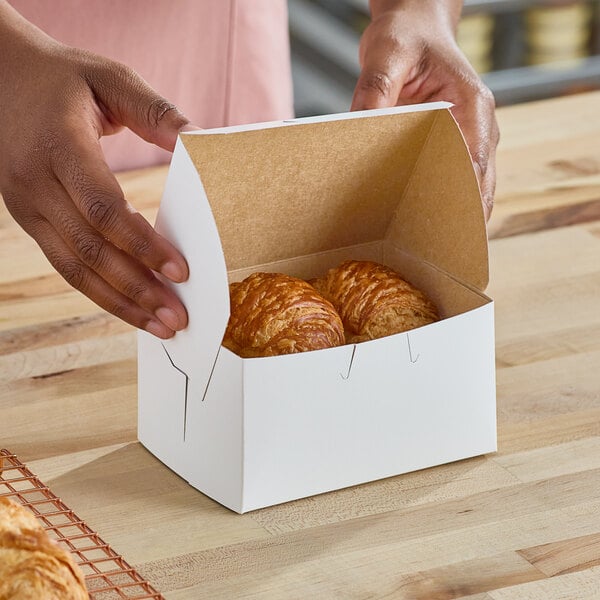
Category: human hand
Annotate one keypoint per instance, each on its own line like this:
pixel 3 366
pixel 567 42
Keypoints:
pixel 408 54
pixel 55 104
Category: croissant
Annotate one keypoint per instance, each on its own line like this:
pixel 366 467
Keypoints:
pixel 32 566
pixel 374 301
pixel 274 314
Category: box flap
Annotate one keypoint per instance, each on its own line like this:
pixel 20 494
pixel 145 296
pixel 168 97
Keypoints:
pixel 186 220
pixel 440 217
pixel 300 187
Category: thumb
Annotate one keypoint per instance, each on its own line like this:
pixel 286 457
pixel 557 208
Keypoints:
pixel 128 100
pixel 379 84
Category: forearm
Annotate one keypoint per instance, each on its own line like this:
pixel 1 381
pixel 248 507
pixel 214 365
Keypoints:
pixel 447 10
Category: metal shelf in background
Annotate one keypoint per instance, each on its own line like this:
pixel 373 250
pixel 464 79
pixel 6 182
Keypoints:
pixel 529 83
pixel 315 93
pixel 499 6
pixel 330 38
pixel 470 6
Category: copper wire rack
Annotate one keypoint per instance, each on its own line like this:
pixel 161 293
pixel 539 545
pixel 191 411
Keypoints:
pixel 107 575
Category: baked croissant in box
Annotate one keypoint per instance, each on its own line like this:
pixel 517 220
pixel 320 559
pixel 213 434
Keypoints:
pixel 274 314
pixel 32 566
pixel 374 301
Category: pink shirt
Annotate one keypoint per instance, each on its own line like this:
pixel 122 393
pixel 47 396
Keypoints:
pixel 222 62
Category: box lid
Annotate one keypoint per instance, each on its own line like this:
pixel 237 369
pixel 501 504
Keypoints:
pixel 286 189
pixel 281 192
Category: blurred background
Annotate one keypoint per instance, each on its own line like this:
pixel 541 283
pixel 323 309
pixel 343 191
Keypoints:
pixel 523 49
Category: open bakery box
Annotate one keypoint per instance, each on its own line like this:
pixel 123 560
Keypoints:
pixel 396 186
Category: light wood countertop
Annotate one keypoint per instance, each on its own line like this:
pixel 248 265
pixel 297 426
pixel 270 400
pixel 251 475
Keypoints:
pixel 521 523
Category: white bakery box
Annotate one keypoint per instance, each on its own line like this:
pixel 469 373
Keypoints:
pixel 395 186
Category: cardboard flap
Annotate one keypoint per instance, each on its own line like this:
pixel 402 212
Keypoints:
pixel 185 219
pixel 440 217
pixel 296 189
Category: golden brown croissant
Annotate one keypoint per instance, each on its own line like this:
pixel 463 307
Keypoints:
pixel 374 301
pixel 274 314
pixel 32 566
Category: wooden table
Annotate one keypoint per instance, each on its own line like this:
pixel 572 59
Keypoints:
pixel 522 523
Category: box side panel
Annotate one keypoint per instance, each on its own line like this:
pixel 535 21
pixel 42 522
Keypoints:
pixel 197 434
pixel 214 433
pixel 450 296
pixel 161 403
pixel 402 403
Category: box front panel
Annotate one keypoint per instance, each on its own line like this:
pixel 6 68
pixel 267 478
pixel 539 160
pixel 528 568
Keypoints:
pixel 398 404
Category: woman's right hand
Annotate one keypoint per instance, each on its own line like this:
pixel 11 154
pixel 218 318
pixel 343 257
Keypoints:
pixel 55 104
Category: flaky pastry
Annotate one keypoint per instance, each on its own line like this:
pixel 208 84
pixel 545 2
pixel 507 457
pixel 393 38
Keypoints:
pixel 32 566
pixel 374 301
pixel 274 314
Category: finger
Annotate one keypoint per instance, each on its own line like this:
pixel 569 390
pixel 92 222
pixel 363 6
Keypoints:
pixel 384 72
pixel 83 172
pixel 476 115
pixel 118 269
pixel 488 183
pixel 93 286
pixel 128 100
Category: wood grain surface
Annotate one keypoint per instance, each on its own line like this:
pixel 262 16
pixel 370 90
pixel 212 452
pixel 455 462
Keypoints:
pixel 523 523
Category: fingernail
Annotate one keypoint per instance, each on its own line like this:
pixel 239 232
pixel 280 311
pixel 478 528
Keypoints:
pixel 173 271
pixel 159 330
pixel 169 317
pixel 190 127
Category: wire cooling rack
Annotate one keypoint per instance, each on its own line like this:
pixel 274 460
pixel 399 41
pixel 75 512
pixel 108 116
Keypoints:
pixel 107 575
